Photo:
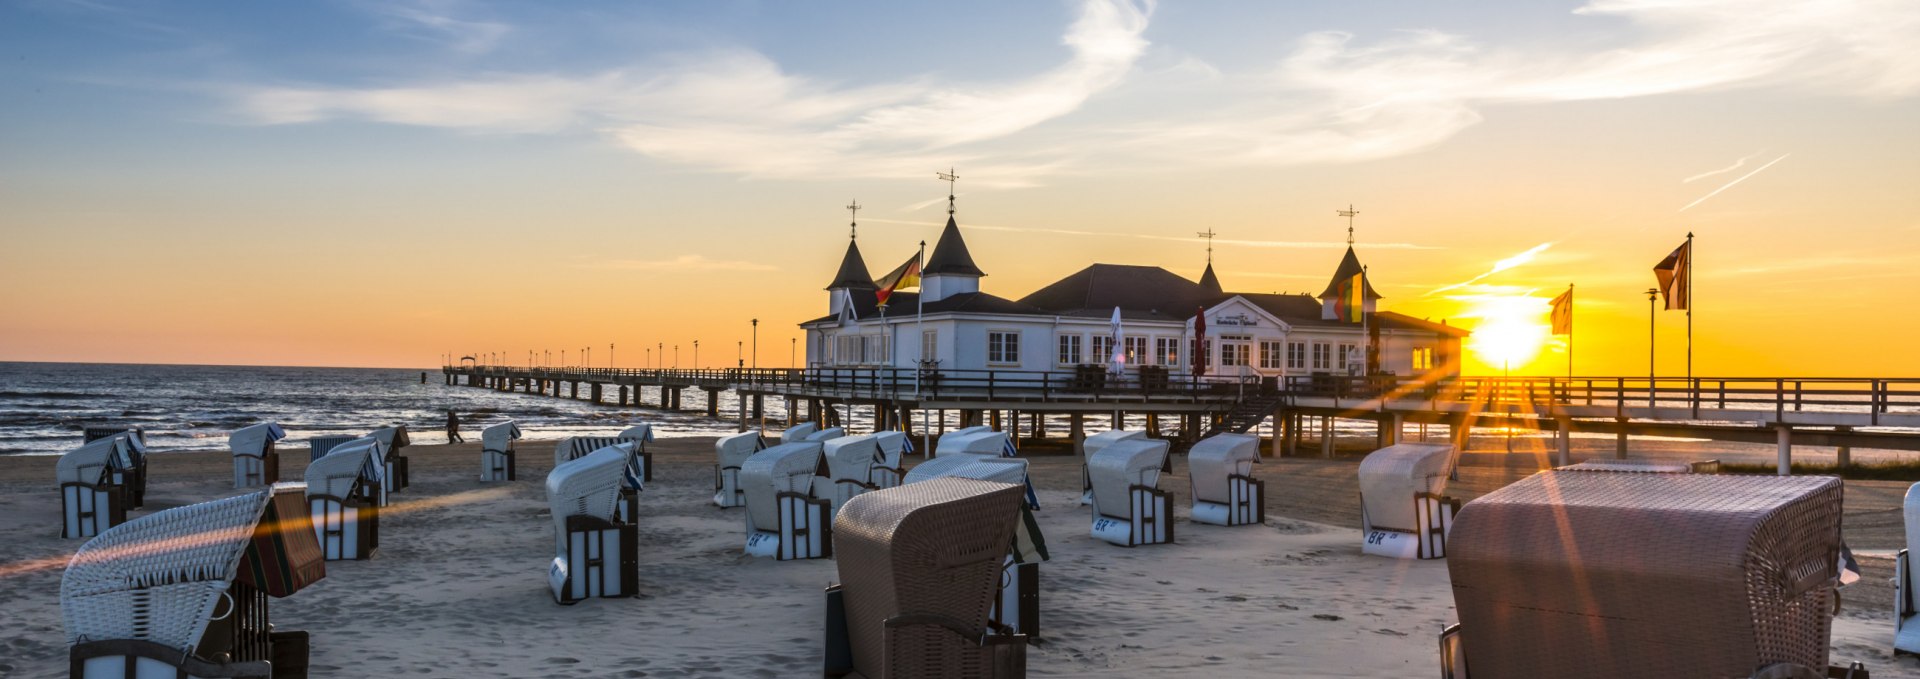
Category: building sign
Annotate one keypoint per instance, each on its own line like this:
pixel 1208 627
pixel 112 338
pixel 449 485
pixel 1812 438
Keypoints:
pixel 1237 320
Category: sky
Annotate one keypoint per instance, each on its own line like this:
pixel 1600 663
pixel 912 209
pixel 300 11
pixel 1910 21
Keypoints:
pixel 382 183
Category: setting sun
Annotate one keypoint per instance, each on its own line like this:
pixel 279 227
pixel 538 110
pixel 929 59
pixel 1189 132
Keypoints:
pixel 1512 330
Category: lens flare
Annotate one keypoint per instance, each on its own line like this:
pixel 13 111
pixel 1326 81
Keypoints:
pixel 1512 330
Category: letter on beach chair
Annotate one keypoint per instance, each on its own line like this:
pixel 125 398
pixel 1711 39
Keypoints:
pixel 255 462
pixel 93 478
pixel 1404 512
pixel 184 592
pixel 1129 509
pixel 133 479
pixel 1577 574
pixel 733 452
pixel 918 568
pixel 1093 444
pixel 497 457
pixel 784 519
pixel 596 553
pixel 344 496
pixel 1017 606
pixel 1224 490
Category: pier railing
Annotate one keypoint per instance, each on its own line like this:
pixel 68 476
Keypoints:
pixel 1872 397
pixel 910 383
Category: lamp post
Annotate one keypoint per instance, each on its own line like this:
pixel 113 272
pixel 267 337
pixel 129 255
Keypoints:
pixel 696 354
pixel 740 353
pixel 756 344
pixel 793 349
pixel 649 357
pixel 663 354
pixel 609 355
pixel 676 357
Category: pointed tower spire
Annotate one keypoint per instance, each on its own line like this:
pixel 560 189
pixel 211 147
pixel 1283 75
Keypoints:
pixel 1207 279
pixel 853 274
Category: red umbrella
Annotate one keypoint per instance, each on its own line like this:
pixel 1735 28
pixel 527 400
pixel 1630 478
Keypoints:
pixel 1199 341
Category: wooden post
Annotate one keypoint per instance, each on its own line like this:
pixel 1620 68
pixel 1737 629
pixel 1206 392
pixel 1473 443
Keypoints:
pixel 623 394
pixel 1564 437
pixel 1786 449
pixel 1843 455
pixel 1077 432
pixel 1326 436
pixel 1278 434
pixel 760 407
pixel 575 386
pixel 1039 426
pixel 713 404
pixel 791 403
pixel 743 413
pixel 1620 442
pixel 993 419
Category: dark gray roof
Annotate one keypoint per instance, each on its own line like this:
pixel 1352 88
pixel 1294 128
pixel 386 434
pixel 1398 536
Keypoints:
pixel 950 254
pixel 1303 311
pixel 1349 266
pixel 1102 287
pixel 853 271
pixel 866 305
pixel 1210 282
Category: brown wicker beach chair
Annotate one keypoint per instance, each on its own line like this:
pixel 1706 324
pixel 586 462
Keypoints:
pixel 919 568
pixel 1610 574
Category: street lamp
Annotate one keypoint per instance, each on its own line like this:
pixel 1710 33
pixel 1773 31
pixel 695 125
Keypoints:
pixel 793 349
pixel 740 353
pixel 663 354
pixel 676 357
pixel 609 355
pixel 756 344
pixel 696 354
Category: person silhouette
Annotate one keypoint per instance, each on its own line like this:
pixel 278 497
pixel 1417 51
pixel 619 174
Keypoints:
pixel 453 428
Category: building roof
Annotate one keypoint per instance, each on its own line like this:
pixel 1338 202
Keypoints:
pixel 853 271
pixel 1302 311
pixel 950 254
pixel 1349 267
pixel 866 305
pixel 1102 287
pixel 1210 282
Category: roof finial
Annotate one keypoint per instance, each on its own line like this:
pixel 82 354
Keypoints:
pixel 950 178
pixel 854 207
pixel 1208 234
pixel 1348 213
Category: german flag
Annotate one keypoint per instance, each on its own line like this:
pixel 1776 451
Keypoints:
pixel 907 276
pixel 1563 313
pixel 1352 302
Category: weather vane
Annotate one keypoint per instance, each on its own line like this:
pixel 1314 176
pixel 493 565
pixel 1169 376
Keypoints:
pixel 950 178
pixel 854 207
pixel 1348 213
pixel 1208 234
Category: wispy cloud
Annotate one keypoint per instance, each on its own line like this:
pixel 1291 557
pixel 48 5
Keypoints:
pixel 1730 184
pixel 679 264
pixel 1499 266
pixel 437 20
pixel 1742 162
pixel 1304 245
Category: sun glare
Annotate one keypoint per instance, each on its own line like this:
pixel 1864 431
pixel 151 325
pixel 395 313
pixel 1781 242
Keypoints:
pixel 1512 330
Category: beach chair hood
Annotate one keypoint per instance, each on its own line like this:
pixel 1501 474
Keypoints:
pixel 587 486
pixel 1123 464
pixel 798 432
pixel 252 440
pixel 391 437
pixel 1390 476
pixel 734 450
pixel 997 469
pixel 988 442
pixel 91 462
pixel 1094 443
pixel 828 434
pixel 940 444
pixel 161 577
pixel 500 436
pixel 1216 457
pixel 639 432
pixel 336 473
pixel 851 457
pixel 788 467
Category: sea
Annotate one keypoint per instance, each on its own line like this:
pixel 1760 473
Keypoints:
pixel 44 406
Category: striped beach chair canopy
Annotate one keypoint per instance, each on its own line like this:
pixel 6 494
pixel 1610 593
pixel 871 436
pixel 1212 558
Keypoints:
pixel 798 432
pixel 348 463
pixel 93 461
pixel 1390 476
pixel 586 486
pixel 1214 458
pixel 252 440
pixel 391 438
pixel 161 577
pixel 788 467
pixel 1123 464
pixel 499 436
pixel 735 449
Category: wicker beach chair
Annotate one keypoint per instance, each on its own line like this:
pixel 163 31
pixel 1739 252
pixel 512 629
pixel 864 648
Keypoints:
pixel 497 457
pixel 733 452
pixel 255 461
pixel 1017 605
pixel 344 497
pixel 784 519
pixel 184 592
pixel 981 442
pixel 319 446
pixel 133 479
pixel 1576 574
pixel 574 447
pixel 799 432
pixel 1129 509
pixel 919 566
pixel 940 444
pixel 596 553
pixel 394 438
pixel 849 462
pixel 887 469
pixel 1224 490
pixel 1906 583
pixel 93 485
pixel 828 434
pixel 1404 510
pixel 1647 466
pixel 1093 444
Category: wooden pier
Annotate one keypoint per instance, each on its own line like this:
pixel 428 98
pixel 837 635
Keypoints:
pixel 1844 413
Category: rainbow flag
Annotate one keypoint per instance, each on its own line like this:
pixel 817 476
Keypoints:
pixel 1352 302
pixel 907 276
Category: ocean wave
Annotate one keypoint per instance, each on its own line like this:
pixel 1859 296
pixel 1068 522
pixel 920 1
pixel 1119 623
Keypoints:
pixel 59 395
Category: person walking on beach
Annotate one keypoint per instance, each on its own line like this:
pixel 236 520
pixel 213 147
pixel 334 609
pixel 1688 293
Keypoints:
pixel 453 428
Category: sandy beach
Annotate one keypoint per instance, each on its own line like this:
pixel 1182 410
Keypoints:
pixel 459 586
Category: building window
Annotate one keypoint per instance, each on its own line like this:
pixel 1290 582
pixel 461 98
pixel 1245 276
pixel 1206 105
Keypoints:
pixel 1423 358
pixel 1102 348
pixel 930 345
pixel 1136 350
pixel 1296 355
pixel 1270 355
pixel 1322 356
pixel 1234 354
pixel 1347 356
pixel 1168 350
pixel 1003 346
pixel 1069 353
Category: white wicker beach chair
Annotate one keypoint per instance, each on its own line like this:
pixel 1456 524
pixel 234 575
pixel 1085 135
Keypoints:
pixel 596 553
pixel 1129 509
pixel 733 452
pixel 798 432
pixel 392 440
pixel 1093 444
pixel 828 434
pixel 887 469
pixel 255 462
pixel 940 444
pixel 1906 584
pixel 784 519
pixel 1404 511
pixel 980 441
pixel 344 496
pixel 641 464
pixel 497 457
pixel 1017 607
pixel 93 491
pixel 849 461
pixel 133 480
pixel 184 592
pixel 1224 490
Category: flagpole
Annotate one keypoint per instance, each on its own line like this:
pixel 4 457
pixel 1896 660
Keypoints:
pixel 1689 283
pixel 1569 335
pixel 920 318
